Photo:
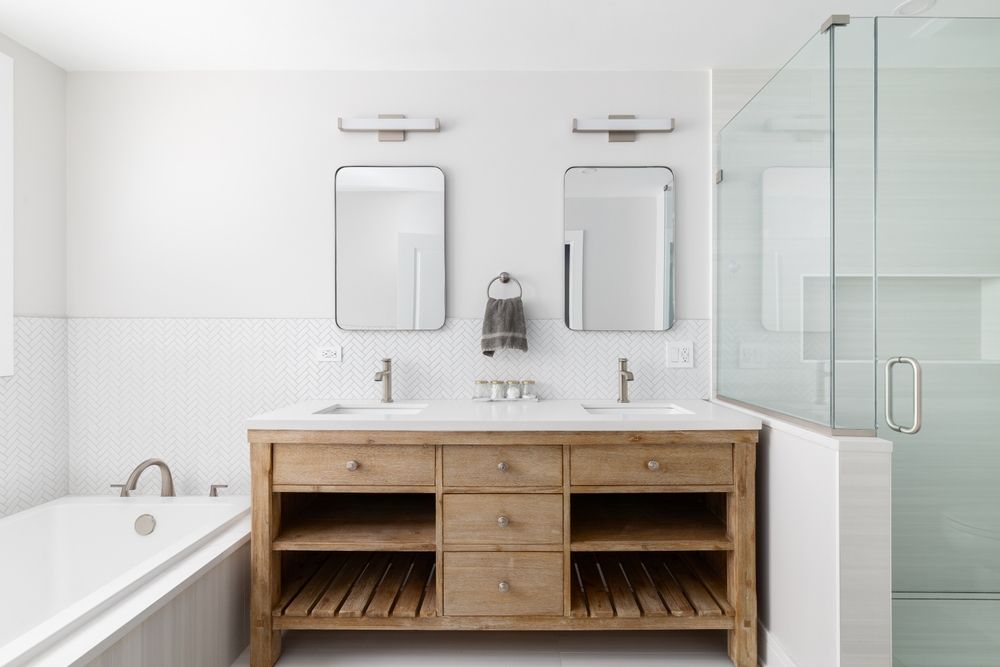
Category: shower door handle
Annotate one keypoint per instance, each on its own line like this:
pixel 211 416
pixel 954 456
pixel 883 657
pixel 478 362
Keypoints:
pixel 918 391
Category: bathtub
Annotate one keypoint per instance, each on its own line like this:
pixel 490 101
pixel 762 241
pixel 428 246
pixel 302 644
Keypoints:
pixel 76 577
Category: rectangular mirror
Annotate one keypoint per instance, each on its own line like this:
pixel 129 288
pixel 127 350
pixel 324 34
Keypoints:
pixel 619 248
pixel 390 248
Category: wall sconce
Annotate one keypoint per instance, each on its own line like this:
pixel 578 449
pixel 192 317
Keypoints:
pixel 623 127
pixel 390 127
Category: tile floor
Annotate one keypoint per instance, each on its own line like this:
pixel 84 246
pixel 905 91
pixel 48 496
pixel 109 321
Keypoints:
pixel 502 649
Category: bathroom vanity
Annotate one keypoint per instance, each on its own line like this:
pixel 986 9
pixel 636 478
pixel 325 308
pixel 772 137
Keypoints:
pixel 455 515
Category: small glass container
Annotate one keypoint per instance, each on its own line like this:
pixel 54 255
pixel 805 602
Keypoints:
pixel 497 389
pixel 481 389
pixel 528 389
pixel 513 389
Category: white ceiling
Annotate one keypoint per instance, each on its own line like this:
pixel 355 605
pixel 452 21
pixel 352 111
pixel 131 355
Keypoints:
pixel 140 35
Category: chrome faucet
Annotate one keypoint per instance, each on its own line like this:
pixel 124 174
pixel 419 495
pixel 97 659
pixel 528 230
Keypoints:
pixel 385 377
pixel 166 480
pixel 624 377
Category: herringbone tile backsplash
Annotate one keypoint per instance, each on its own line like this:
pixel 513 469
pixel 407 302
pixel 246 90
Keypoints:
pixel 33 414
pixel 181 389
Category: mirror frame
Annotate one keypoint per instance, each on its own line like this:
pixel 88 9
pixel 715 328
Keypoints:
pixel 336 242
pixel 673 249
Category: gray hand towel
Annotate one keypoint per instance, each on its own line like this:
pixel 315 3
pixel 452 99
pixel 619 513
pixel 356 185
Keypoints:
pixel 503 326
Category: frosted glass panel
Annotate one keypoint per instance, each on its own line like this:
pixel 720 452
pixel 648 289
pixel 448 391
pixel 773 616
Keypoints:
pixel 773 243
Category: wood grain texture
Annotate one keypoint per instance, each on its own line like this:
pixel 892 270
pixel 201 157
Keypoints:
pixel 471 519
pixel 471 584
pixel 678 463
pixel 642 549
pixel 319 464
pixel 480 466
pixel 645 522
pixel 265 565
pixel 347 522
pixel 741 565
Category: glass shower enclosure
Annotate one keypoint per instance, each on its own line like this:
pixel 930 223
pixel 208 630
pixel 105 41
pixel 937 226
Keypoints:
pixel 858 228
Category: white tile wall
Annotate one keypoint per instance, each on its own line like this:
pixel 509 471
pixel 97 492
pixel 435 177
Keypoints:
pixel 33 416
pixel 181 388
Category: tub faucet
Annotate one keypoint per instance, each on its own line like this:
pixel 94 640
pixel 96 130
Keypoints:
pixel 624 377
pixel 166 480
pixel 385 377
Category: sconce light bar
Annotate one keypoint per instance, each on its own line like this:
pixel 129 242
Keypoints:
pixel 622 127
pixel 390 127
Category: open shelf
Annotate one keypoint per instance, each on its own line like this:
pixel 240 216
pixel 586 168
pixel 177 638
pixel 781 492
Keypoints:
pixel 646 522
pixel 359 522
pixel 361 585
pixel 649 585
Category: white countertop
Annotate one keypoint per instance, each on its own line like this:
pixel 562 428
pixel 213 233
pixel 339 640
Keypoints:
pixel 469 415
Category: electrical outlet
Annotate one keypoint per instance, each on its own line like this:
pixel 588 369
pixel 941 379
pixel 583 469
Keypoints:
pixel 329 354
pixel 751 355
pixel 680 354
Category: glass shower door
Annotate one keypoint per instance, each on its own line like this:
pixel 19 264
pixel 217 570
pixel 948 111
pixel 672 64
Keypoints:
pixel 938 302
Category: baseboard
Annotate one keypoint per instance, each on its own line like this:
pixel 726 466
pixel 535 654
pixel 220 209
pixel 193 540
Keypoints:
pixel 770 652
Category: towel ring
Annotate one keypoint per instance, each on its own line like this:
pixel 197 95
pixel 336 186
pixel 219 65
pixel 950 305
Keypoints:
pixel 505 278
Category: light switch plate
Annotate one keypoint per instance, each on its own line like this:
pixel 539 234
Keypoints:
pixel 330 354
pixel 680 354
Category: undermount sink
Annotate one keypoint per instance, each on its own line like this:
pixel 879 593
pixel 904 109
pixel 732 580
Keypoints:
pixel 635 410
pixel 373 409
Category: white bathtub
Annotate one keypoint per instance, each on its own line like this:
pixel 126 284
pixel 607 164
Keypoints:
pixel 75 575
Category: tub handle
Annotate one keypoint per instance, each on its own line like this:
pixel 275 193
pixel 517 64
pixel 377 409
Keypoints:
pixel 213 490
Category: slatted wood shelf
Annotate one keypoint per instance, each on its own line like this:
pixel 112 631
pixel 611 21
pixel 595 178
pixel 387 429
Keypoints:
pixel 634 586
pixel 360 522
pixel 645 522
pixel 361 585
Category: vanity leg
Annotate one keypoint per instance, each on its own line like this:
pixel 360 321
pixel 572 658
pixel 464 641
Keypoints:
pixel 741 561
pixel 265 564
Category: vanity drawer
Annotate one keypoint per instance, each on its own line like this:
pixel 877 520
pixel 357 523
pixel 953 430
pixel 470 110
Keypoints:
pixel 502 519
pixel 495 466
pixel 503 584
pixel 375 465
pixel 655 465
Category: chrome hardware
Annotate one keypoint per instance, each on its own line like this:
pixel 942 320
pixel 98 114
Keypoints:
pixel 166 481
pixel 353 465
pixel 504 587
pixel 503 521
pixel 624 377
pixel 145 524
pixel 653 465
pixel 385 377
pixel 503 467
pixel 213 490
pixel 918 391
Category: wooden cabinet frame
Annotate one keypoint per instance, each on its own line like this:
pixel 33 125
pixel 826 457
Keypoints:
pixel 730 560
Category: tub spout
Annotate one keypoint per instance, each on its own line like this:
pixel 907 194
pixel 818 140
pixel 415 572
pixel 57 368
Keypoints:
pixel 166 480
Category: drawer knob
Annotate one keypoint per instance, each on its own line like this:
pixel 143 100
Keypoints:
pixel 503 467
pixel 504 587
pixel 503 521
pixel 353 465
pixel 653 465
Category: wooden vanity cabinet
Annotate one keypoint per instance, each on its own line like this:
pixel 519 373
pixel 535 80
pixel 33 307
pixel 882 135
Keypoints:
pixel 503 531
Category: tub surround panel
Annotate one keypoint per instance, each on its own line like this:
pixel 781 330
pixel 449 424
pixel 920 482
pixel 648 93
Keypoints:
pixel 33 416
pixel 182 389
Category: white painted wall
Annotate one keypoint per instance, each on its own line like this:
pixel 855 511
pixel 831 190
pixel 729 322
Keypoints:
pixel 6 216
pixel 211 194
pixel 39 183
